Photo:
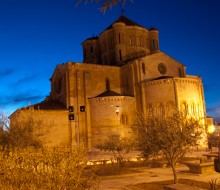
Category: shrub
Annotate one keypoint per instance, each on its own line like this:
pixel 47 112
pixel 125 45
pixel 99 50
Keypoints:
pixel 56 168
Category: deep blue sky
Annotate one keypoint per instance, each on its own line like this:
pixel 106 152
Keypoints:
pixel 36 35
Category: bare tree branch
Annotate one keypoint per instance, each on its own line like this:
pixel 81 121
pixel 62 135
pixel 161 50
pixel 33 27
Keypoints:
pixel 105 3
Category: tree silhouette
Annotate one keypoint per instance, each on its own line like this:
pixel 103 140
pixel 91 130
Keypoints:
pixel 105 3
pixel 172 135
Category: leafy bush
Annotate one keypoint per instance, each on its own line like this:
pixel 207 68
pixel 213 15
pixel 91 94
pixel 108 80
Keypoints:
pixel 55 168
pixel 120 147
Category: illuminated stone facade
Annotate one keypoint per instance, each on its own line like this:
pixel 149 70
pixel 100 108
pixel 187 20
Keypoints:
pixel 123 73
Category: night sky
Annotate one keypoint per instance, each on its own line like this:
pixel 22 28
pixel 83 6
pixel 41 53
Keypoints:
pixel 36 35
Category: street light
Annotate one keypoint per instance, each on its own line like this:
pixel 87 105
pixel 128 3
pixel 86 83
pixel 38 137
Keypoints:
pixel 117 110
pixel 211 129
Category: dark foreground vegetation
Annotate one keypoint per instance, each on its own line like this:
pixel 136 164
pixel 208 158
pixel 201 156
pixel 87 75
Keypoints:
pixel 57 168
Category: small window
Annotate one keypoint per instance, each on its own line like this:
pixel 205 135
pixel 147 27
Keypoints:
pixel 143 68
pixel 91 49
pixel 130 41
pixel 124 119
pixel 160 109
pixel 140 40
pixel 170 107
pixel 150 110
pixel 184 108
pixel 154 45
pixel 58 84
pixel 180 72
pixel 193 108
pixel 107 83
pixel 120 56
pixel 119 38
pixel 84 53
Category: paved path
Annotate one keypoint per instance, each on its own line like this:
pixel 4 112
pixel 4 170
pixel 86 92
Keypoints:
pixel 152 174
pixel 144 174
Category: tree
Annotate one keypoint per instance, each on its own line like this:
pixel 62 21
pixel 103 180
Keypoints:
pixel 4 125
pixel 172 135
pixel 106 3
pixel 4 121
pixel 120 147
pixel 26 129
pixel 213 140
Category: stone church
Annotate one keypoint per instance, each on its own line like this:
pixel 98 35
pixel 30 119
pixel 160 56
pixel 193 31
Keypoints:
pixel 124 73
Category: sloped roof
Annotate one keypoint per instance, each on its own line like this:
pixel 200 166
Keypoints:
pixel 91 38
pixel 162 77
pixel 108 93
pixel 124 20
pixel 152 28
pixel 49 105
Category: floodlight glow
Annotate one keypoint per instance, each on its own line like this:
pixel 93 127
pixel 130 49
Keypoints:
pixel 211 129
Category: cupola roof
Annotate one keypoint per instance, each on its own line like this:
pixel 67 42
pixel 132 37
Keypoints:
pixel 152 28
pixel 124 20
pixel 108 93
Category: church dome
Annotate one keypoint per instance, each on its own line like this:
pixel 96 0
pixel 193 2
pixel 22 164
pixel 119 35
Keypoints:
pixel 125 20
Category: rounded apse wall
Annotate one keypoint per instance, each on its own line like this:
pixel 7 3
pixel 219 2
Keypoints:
pixel 110 115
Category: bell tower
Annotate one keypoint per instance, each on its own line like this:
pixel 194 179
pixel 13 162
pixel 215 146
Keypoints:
pixel 90 50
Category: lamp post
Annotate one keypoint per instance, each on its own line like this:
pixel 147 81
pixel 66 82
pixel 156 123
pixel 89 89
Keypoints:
pixel 117 110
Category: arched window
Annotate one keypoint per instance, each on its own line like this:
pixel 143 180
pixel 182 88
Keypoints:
pixel 91 49
pixel 130 41
pixel 119 38
pixel 140 41
pixel 160 109
pixel 58 84
pixel 198 110
pixel 124 119
pixel 107 83
pixel 150 110
pixel 170 107
pixel 84 52
pixel 154 46
pixel 193 108
pixel 120 55
pixel 180 72
pixel 143 68
pixel 184 108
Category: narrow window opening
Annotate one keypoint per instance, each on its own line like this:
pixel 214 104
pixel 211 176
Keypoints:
pixel 140 39
pixel 184 108
pixel 91 49
pixel 84 54
pixel 154 46
pixel 130 41
pixel 143 68
pixel 157 45
pixel 120 56
pixel 180 72
pixel 107 83
pixel 124 119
